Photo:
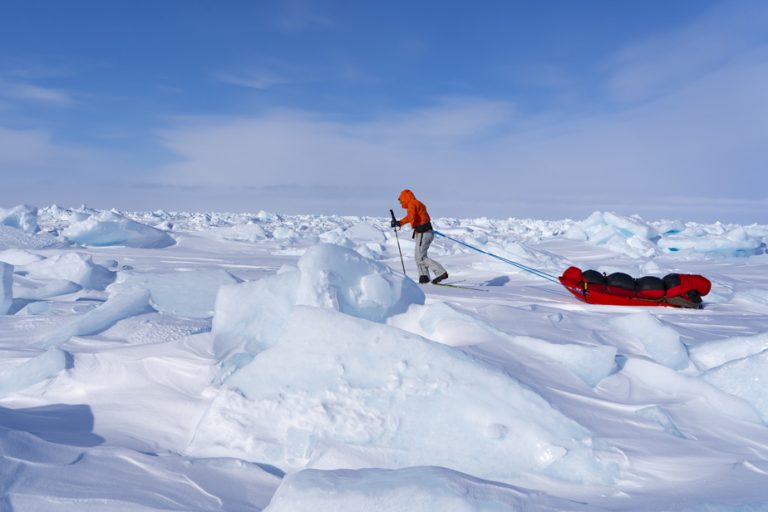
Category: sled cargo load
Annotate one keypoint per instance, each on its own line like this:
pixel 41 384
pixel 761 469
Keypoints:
pixel 620 289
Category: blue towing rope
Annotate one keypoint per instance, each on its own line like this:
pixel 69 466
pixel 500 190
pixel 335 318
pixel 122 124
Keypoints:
pixel 536 272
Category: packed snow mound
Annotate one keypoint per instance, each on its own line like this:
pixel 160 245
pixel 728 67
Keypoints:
pixel 19 257
pixel 110 228
pixel 712 354
pixel 71 266
pixel 661 342
pixel 342 392
pixel 417 489
pixel 589 363
pixel 51 460
pixel 6 287
pixel 187 293
pixel 642 382
pixel 23 217
pixel 251 316
pixel 446 324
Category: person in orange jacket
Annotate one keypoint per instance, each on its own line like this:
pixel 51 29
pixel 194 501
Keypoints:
pixel 419 220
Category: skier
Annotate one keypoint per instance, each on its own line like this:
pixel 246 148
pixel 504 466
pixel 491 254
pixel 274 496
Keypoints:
pixel 419 220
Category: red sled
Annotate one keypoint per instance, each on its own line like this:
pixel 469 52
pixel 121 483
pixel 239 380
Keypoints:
pixel 619 289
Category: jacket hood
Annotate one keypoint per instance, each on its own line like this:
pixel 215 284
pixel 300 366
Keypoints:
pixel 406 197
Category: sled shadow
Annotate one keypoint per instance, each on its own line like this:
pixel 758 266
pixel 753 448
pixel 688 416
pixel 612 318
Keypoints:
pixel 59 423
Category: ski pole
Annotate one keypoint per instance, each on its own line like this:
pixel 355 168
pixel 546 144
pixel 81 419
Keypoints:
pixel 398 242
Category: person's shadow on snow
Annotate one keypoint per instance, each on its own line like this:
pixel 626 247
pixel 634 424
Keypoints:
pixel 59 423
pixel 496 281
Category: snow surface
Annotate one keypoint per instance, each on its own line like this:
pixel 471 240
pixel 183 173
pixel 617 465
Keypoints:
pixel 235 361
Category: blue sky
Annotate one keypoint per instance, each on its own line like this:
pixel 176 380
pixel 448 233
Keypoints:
pixel 546 109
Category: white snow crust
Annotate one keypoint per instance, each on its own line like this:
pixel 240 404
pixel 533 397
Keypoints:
pixel 222 361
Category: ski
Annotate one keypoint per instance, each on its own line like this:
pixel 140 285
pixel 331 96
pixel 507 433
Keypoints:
pixel 452 285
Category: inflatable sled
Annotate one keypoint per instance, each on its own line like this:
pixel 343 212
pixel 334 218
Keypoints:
pixel 619 289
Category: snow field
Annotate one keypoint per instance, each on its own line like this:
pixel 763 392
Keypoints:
pixel 188 370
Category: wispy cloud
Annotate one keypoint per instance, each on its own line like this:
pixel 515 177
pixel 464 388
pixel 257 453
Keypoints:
pixel 664 62
pixel 298 15
pixel 293 147
pixel 34 153
pixel 27 92
pixel 36 169
pixel 260 80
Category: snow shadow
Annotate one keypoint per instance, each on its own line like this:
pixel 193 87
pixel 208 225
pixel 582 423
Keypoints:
pixel 496 281
pixel 66 424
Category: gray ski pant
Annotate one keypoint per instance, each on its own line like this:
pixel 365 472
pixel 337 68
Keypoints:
pixel 425 264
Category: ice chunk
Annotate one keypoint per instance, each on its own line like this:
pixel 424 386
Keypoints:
pixel 670 227
pixel 242 233
pixel 123 302
pixel 661 342
pixel 6 287
pixel 575 232
pixel 37 369
pixel 630 226
pixel 110 228
pixel 338 278
pixel 34 308
pixel 338 391
pixel 13 238
pixel 284 234
pixel 50 289
pixel 745 378
pixel 733 243
pixel 416 489
pixel 74 267
pixel 250 316
pixel 23 217
pixel 190 293
pixel 626 235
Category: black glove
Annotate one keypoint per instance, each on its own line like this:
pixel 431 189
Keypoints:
pixel 396 224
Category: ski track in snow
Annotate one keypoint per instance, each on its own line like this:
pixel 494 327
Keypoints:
pixel 221 361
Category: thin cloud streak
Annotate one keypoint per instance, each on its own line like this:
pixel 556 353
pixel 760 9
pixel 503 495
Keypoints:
pixel 19 91
pixel 260 81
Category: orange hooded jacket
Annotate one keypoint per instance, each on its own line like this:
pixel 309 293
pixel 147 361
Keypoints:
pixel 417 213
